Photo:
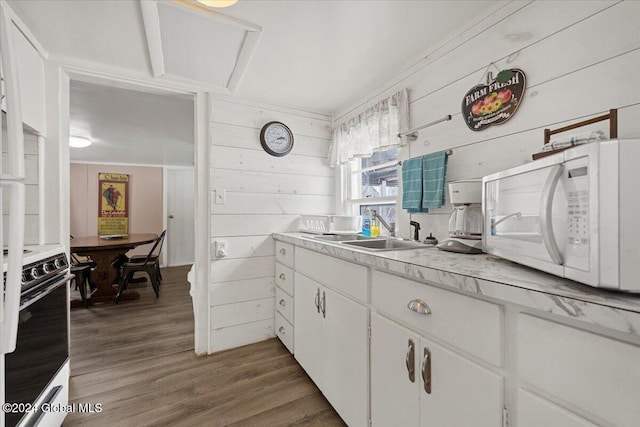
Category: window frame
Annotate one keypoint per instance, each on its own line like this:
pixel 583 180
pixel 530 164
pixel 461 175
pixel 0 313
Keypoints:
pixel 351 184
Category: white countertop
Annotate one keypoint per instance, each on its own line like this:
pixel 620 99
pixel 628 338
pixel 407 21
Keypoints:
pixel 493 277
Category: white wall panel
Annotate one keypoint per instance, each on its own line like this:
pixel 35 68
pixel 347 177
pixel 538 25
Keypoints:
pixel 249 138
pixel 244 159
pixel 285 204
pixel 262 194
pixel 242 290
pixel 226 270
pixel 226 315
pixel 271 182
pixel 242 334
pixel 245 246
pixel 301 123
pixel 252 224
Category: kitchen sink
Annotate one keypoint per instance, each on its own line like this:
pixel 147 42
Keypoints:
pixel 387 244
pixel 341 237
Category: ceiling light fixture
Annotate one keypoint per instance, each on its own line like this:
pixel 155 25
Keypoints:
pixel 79 142
pixel 217 3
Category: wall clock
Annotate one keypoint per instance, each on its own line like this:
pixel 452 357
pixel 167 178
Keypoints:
pixel 276 139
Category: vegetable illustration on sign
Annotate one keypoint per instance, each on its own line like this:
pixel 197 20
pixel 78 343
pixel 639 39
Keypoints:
pixel 496 102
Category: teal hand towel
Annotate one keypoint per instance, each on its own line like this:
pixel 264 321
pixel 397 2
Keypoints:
pixel 434 172
pixel 412 185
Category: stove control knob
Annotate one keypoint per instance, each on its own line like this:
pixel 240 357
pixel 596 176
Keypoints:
pixel 35 272
pixel 59 263
pixel 48 267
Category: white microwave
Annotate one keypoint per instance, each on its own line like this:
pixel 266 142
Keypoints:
pixel 575 214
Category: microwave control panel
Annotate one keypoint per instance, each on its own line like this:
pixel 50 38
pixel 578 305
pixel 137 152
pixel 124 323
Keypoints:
pixel 577 191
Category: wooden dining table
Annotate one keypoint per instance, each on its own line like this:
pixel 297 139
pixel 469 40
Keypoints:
pixel 103 251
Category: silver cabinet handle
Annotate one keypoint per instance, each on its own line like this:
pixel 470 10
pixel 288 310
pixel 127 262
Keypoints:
pixel 410 361
pixel 426 370
pixel 281 330
pixel 419 306
pixel 317 300
pixel 283 251
pixel 324 304
pixel 282 302
pixel 282 276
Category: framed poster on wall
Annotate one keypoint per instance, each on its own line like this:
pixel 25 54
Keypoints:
pixel 113 208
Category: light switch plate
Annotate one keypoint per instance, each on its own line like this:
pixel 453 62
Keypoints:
pixel 221 197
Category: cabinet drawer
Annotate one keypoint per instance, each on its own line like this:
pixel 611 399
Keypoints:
pixel 284 331
pixel 284 304
pixel 338 274
pixel 284 253
pixel 467 323
pixel 284 278
pixel 597 374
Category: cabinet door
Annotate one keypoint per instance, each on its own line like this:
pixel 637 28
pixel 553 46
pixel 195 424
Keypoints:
pixel 395 351
pixel 461 393
pixel 534 411
pixel 345 338
pixel 308 330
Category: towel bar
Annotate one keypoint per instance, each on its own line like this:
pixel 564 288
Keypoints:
pixel 449 153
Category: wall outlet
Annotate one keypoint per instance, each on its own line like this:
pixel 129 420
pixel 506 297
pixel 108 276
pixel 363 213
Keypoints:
pixel 221 248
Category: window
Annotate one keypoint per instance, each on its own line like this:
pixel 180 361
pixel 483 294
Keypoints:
pixel 373 183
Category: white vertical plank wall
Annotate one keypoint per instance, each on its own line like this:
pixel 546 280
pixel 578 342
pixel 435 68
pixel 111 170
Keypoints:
pixel 581 58
pixel 264 194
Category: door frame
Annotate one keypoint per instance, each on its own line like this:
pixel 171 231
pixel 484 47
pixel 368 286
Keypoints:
pixel 61 74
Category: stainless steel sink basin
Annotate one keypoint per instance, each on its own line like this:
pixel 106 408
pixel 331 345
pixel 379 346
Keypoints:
pixel 341 237
pixel 387 244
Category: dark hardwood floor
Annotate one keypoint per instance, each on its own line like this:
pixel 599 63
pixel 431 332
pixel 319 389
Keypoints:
pixel 136 359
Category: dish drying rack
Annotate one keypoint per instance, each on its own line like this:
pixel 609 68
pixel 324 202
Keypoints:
pixel 330 224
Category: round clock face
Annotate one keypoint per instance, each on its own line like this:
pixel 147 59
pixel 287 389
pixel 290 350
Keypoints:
pixel 276 139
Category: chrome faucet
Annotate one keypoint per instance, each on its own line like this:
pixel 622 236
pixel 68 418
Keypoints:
pixel 391 228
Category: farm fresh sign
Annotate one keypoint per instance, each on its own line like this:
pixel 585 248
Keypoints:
pixel 496 102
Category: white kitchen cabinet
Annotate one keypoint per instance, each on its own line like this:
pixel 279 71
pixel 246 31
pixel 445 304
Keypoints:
pixel 534 411
pixel 331 342
pixel 308 332
pixel 284 320
pixel 596 375
pixel 395 374
pixel 416 382
pixel 30 67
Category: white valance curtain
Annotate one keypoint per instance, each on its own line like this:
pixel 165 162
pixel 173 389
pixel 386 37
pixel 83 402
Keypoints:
pixel 375 129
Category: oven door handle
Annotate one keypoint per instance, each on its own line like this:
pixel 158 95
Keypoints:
pixel 50 288
pixel 13 281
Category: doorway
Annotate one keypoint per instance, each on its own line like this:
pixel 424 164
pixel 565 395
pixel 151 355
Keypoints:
pixel 180 200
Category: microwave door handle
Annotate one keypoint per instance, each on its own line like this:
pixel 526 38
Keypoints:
pixel 9 322
pixel 546 206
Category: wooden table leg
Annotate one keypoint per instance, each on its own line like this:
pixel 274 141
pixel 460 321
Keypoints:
pixel 104 276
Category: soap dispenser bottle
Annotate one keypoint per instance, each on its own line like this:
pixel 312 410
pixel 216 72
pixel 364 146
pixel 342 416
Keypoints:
pixel 375 225
pixel 366 223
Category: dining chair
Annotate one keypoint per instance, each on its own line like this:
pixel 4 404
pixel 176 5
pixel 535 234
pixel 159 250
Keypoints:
pixel 149 264
pixel 81 270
